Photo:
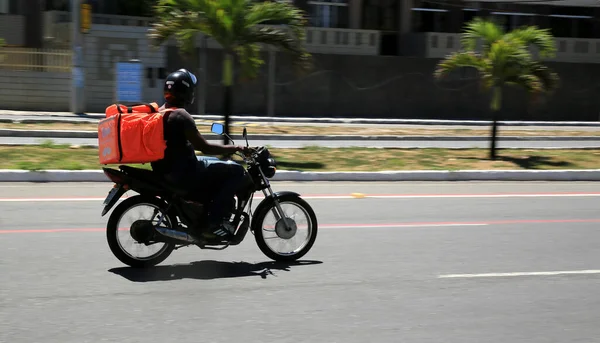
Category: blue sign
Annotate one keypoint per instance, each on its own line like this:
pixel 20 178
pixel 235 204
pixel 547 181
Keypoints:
pixel 129 78
pixel 78 77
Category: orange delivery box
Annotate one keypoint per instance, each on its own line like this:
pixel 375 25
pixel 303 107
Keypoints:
pixel 133 134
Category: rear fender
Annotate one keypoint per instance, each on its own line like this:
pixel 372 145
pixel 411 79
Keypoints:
pixel 122 178
pixel 113 196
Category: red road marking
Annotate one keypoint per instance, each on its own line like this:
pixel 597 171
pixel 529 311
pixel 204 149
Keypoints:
pixel 362 226
pixel 347 196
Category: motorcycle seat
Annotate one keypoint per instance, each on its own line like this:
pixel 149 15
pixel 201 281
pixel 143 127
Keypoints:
pixel 154 179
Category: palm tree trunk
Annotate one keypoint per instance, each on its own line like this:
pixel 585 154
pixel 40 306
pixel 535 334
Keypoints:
pixel 496 101
pixel 227 98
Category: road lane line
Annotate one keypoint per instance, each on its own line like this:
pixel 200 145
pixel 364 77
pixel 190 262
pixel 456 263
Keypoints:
pixel 409 225
pixel 505 195
pixel 78 199
pixel 359 226
pixel 324 226
pixel 352 196
pixel 486 275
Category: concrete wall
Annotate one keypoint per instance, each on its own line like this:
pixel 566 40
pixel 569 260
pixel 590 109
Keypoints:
pixel 396 87
pixel 34 91
pixel 108 44
pixel 571 50
pixel 12 29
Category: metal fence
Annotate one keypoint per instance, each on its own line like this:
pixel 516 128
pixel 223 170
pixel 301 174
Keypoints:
pixel 26 59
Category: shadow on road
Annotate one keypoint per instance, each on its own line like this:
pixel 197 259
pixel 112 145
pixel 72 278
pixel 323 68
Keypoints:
pixel 206 270
pixel 534 162
pixel 525 162
pixel 301 165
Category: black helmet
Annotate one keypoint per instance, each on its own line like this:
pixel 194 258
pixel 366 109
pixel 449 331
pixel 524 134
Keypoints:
pixel 179 88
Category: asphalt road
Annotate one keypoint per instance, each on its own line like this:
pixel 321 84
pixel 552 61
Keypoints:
pixel 378 272
pixel 345 143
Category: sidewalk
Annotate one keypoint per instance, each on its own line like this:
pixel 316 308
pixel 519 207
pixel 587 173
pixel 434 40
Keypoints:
pixel 8 115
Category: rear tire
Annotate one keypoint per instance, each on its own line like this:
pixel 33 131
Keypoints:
pixel 257 227
pixel 112 229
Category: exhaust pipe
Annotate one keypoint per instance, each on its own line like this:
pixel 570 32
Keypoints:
pixel 178 235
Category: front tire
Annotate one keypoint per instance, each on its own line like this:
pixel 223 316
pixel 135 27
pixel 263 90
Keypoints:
pixel 112 230
pixel 259 230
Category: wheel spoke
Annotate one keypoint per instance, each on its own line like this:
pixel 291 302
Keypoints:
pixel 299 220
pixel 135 249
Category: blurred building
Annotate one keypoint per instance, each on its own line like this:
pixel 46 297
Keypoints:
pixel 403 27
pixel 373 58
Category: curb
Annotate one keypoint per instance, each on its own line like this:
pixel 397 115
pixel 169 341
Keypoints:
pixel 94 134
pixel 7 175
pixel 327 120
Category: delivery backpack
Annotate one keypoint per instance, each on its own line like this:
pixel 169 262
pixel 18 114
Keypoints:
pixel 133 134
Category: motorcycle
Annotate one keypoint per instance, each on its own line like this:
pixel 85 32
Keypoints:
pixel 175 220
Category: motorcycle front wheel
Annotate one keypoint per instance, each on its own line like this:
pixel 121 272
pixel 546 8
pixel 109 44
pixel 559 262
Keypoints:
pixel 281 242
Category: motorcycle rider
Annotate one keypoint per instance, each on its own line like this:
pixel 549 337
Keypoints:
pixel 183 168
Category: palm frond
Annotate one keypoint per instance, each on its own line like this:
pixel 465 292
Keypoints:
pixel 530 82
pixel 178 19
pixel 249 60
pixel 278 12
pixel 282 39
pixel 238 25
pixel 509 58
pixel 547 77
pixel 183 19
pixel 532 35
pixel 479 29
pixel 460 59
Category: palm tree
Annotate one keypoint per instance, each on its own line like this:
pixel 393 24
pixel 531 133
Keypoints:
pixel 504 60
pixel 240 27
pixel 1 42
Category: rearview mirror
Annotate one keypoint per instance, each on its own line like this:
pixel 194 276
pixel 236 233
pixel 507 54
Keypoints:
pixel 217 128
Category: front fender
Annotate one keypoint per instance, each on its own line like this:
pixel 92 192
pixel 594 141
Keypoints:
pixel 266 202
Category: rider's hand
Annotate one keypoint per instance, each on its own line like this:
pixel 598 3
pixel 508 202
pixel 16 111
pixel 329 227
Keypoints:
pixel 244 149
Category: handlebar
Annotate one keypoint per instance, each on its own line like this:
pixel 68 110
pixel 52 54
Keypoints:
pixel 251 157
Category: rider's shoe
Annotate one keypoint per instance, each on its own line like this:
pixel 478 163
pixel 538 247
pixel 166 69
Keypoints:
pixel 223 231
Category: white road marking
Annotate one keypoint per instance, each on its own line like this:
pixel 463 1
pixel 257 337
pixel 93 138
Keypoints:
pixel 514 195
pixel 565 272
pixel 376 226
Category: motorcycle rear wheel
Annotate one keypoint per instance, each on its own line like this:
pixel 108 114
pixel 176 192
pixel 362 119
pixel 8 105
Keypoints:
pixel 112 230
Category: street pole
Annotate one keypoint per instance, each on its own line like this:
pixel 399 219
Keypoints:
pixel 203 53
pixel 77 71
pixel 271 82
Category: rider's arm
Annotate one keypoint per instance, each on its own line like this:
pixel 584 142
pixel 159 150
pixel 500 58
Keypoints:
pixel 199 143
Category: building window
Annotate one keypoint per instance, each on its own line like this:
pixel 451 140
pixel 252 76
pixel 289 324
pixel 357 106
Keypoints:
pixel 428 19
pixel 380 15
pixel 58 5
pixel 329 13
pixel 9 7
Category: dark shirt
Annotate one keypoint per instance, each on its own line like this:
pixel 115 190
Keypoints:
pixel 180 157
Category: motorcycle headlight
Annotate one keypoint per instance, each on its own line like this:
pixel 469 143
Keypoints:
pixel 267 163
pixel 270 168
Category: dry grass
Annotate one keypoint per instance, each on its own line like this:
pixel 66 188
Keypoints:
pixel 331 130
pixel 50 156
